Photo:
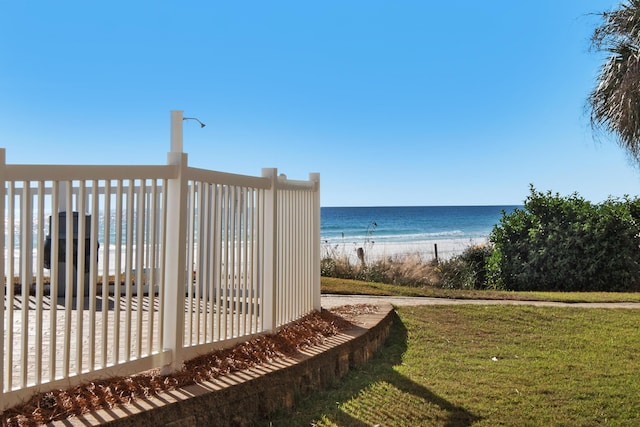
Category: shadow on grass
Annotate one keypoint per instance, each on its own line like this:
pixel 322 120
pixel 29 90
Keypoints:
pixel 328 405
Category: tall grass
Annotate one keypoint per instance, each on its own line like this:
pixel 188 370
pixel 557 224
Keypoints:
pixel 465 271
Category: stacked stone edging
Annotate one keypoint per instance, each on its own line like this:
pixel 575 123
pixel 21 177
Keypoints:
pixel 243 397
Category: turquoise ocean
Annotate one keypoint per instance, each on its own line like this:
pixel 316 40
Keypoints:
pixel 408 224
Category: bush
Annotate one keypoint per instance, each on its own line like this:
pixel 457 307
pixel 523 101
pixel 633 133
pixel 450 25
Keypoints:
pixel 567 244
pixel 466 271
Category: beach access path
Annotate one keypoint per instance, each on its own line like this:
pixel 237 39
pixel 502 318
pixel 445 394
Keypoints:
pixel 329 301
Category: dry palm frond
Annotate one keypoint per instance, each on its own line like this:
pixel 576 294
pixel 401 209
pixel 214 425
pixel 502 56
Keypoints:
pixel 615 102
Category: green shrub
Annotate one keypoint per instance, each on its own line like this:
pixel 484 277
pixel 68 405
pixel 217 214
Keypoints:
pixel 467 270
pixel 567 244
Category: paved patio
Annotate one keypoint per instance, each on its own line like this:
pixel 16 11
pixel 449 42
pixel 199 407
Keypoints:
pixel 103 324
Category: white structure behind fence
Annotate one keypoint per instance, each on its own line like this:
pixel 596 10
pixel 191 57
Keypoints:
pixel 156 265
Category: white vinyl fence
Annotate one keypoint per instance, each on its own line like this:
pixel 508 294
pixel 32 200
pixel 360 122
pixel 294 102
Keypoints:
pixel 152 265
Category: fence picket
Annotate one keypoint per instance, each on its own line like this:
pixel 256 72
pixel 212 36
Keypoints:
pixel 191 260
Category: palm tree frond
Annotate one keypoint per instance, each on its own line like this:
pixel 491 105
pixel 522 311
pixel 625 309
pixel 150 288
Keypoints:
pixel 615 102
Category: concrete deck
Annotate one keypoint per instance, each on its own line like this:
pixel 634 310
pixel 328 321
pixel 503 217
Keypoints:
pixel 104 325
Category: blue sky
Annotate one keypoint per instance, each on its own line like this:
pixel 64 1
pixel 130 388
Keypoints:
pixel 392 102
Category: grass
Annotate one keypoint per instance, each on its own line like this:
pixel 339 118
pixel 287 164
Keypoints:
pixel 330 285
pixel 490 366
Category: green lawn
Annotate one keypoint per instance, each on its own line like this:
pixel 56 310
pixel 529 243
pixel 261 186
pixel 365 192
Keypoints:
pixel 331 285
pixel 490 366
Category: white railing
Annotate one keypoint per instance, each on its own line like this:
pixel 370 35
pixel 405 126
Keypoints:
pixel 167 262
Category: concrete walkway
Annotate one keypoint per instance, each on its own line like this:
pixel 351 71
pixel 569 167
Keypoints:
pixel 329 301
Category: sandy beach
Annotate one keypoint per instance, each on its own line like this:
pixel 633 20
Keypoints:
pixel 447 248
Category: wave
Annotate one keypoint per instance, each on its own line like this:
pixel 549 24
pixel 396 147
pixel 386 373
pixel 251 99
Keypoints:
pixel 400 238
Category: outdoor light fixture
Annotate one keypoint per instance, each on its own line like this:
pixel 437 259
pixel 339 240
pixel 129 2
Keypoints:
pixel 193 118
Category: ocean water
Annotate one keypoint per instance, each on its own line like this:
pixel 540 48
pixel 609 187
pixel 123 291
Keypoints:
pixel 408 224
pixel 380 224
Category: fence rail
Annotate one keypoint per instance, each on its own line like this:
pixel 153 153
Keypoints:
pixel 112 270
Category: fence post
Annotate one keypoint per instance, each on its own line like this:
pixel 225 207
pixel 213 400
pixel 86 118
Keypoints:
pixel 270 257
pixel 175 251
pixel 315 285
pixel 9 281
pixel 176 131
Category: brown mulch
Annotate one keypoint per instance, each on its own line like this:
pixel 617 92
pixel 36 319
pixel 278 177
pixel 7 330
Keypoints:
pixel 309 331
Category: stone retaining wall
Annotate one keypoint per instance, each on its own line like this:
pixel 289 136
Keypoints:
pixel 242 398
